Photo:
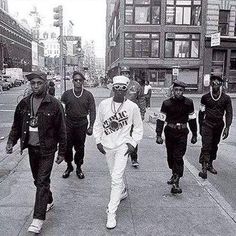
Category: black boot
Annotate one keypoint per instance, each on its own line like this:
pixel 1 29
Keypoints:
pixel 203 173
pixel 211 168
pixel 171 180
pixel 79 172
pixel 175 188
pixel 69 169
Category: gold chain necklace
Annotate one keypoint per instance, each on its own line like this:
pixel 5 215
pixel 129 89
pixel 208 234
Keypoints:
pixel 113 106
pixel 80 93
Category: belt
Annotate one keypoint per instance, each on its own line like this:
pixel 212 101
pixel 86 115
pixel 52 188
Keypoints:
pixel 177 125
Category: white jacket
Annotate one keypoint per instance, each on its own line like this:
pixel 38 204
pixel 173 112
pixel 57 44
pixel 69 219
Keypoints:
pixel 127 116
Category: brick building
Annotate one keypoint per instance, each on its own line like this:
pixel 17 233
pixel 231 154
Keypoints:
pixel 159 40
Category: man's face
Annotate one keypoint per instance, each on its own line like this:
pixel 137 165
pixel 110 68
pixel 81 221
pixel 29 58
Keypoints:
pixel 216 84
pixel 178 92
pixel 78 81
pixel 119 90
pixel 125 73
pixel 38 86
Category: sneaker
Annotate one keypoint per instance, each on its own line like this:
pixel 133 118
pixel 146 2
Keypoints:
pixel 124 194
pixel 50 206
pixel 135 163
pixel 111 220
pixel 35 226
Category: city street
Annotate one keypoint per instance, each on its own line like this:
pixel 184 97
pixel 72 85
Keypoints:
pixel 204 208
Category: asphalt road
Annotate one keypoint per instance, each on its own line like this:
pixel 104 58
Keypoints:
pixel 224 182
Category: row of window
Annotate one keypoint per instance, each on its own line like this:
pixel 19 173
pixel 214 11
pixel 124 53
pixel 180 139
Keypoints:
pixel 146 45
pixel 178 12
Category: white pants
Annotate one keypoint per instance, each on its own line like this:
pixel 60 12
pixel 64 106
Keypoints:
pixel 116 161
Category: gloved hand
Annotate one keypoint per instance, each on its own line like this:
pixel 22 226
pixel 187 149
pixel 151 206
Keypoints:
pixel 130 150
pixel 89 131
pixel 59 159
pixel 225 133
pixel 9 148
pixel 194 139
pixel 100 148
pixel 159 140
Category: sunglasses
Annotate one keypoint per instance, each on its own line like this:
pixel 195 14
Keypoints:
pixel 34 83
pixel 120 87
pixel 216 82
pixel 78 80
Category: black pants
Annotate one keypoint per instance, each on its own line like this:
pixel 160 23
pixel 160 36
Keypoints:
pixel 211 135
pixel 76 137
pixel 176 145
pixel 147 100
pixel 41 167
pixel 134 155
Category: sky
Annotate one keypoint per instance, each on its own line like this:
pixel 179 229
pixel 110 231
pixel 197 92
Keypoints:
pixel 88 17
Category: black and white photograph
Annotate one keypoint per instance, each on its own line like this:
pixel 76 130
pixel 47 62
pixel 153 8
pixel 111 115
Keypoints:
pixel 117 117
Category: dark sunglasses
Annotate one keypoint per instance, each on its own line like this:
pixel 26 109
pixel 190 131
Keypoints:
pixel 78 80
pixel 38 83
pixel 215 82
pixel 120 87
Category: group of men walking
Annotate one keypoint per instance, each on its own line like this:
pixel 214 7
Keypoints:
pixel 41 123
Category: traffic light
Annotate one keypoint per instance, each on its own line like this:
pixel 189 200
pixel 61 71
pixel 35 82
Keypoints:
pixel 58 16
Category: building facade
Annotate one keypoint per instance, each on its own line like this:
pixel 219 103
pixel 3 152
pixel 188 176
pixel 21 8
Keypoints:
pixel 159 40
pixel 221 59
pixel 15 43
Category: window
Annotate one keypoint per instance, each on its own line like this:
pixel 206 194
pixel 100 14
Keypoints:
pixel 233 60
pixel 142 12
pixel 141 45
pixel 182 45
pixel 224 22
pixel 185 12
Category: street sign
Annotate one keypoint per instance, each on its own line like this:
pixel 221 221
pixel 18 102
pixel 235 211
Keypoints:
pixel 72 38
pixel 175 71
pixel 215 39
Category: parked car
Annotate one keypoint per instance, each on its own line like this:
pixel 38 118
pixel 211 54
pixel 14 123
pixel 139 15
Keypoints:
pixel 17 83
pixel 4 83
pixel 8 79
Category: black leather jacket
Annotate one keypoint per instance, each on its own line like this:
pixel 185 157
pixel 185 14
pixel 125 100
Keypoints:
pixel 51 125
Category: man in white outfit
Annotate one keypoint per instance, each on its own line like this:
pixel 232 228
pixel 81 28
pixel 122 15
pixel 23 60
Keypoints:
pixel 115 117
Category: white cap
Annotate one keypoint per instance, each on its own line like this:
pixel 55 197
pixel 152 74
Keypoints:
pixel 120 79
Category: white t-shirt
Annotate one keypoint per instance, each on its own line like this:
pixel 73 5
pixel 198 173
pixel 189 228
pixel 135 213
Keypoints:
pixel 112 129
pixel 147 88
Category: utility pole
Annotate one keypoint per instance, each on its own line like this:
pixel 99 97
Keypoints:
pixel 58 17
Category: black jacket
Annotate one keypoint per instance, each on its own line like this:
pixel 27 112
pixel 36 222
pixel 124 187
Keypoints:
pixel 52 129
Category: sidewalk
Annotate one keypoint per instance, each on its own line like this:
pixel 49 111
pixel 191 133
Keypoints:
pixel 80 205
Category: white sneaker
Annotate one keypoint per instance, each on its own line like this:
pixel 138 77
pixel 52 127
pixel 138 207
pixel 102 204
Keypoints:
pixel 124 194
pixel 50 206
pixel 35 226
pixel 111 220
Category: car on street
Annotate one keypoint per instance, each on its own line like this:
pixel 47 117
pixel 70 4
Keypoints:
pixel 4 83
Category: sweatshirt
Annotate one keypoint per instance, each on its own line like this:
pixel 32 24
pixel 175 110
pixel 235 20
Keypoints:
pixel 114 121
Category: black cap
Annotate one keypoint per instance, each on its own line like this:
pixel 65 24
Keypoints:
pixel 78 73
pixel 124 69
pixel 216 77
pixel 178 83
pixel 37 74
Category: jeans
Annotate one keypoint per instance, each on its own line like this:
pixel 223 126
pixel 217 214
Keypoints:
pixel 116 161
pixel 41 167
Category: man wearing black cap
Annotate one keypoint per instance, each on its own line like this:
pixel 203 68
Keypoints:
pixel 135 93
pixel 79 103
pixel 215 105
pixel 39 123
pixel 176 111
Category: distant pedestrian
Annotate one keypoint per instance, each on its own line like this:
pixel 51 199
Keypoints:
pixel 147 93
pixel 215 107
pixel 39 123
pixel 176 111
pixel 51 88
pixel 79 103
pixel 116 116
pixel 134 93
